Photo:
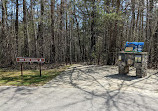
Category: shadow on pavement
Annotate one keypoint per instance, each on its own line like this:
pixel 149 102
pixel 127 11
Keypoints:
pixel 122 77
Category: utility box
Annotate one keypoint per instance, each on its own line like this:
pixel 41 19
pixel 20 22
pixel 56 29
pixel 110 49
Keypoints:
pixel 135 59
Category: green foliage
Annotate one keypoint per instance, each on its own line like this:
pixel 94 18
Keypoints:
pixel 94 55
pixel 113 16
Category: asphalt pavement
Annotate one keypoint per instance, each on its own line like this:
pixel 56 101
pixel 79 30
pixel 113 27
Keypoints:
pixel 69 92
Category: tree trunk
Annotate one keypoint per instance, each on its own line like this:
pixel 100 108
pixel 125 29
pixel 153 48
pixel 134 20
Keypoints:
pixel 26 48
pixel 93 38
pixel 150 49
pixel 52 49
pixel 133 21
pixel 17 26
pixel 40 31
pixel 33 30
pixel 78 34
pixel 3 35
pixel 155 46
pixel 61 42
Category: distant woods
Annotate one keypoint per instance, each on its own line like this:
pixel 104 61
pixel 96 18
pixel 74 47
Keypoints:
pixel 66 31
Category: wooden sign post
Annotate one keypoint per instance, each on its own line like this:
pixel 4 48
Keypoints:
pixel 21 70
pixel 25 59
pixel 40 70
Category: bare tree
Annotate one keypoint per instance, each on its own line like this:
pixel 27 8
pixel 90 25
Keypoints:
pixel 75 30
pixel 52 49
pixel 40 30
pixel 17 26
pixel 26 48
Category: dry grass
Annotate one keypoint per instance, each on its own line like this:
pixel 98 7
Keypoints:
pixel 29 78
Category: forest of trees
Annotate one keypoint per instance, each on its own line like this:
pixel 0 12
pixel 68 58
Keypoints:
pixel 68 31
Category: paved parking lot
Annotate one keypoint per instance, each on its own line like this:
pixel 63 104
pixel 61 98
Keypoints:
pixel 86 88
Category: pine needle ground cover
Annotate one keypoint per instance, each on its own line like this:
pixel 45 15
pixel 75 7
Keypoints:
pixel 29 78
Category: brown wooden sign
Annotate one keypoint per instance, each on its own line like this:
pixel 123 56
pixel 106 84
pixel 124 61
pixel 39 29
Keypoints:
pixel 25 59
